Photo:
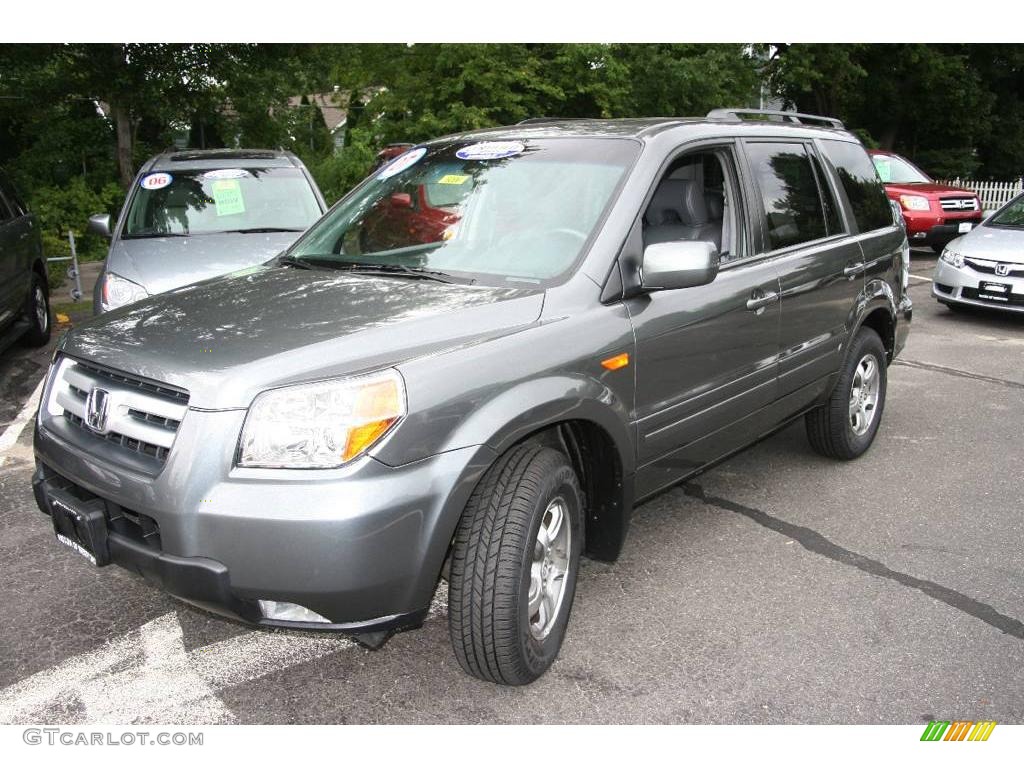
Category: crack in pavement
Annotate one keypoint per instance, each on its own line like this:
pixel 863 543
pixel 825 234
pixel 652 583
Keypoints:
pixel 958 372
pixel 813 541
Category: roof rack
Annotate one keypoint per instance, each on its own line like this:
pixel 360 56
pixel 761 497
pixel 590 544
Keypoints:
pixel 792 117
pixel 531 120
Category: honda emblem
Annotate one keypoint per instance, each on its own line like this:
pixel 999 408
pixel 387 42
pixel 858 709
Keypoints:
pixel 96 410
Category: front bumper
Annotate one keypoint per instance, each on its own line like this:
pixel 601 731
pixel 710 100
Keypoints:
pixel 928 229
pixel 362 545
pixel 959 285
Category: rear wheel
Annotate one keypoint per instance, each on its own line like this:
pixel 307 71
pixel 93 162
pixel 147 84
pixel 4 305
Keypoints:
pixel 514 564
pixel 845 426
pixel 37 312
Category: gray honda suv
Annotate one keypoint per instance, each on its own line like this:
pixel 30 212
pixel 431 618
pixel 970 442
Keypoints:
pixel 473 368
pixel 195 214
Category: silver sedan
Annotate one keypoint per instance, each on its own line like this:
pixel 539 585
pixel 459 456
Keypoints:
pixel 985 268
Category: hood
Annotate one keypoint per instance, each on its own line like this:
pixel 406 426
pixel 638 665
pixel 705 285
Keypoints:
pixel 993 243
pixel 930 189
pixel 159 264
pixel 229 338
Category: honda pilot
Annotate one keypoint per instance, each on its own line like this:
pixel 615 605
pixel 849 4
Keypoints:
pixel 609 308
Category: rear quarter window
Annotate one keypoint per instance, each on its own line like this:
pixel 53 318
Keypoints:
pixel 861 183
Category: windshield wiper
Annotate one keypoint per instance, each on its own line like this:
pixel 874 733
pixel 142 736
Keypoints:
pixel 257 230
pixel 144 235
pixel 291 261
pixel 399 270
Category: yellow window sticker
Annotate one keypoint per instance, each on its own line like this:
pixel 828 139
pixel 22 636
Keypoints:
pixel 227 195
pixel 453 178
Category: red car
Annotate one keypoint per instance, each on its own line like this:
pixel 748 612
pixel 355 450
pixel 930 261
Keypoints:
pixel 934 213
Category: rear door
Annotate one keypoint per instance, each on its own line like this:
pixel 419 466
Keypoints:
pixel 821 269
pixel 870 216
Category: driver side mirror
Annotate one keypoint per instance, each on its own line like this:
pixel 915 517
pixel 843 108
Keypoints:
pixel 99 224
pixel 679 264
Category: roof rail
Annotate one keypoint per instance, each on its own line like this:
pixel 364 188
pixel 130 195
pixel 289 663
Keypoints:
pixel 531 120
pixel 736 114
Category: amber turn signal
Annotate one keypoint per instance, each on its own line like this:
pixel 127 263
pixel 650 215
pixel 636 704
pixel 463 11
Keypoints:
pixel 614 363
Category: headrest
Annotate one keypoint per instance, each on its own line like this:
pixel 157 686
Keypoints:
pixel 677 201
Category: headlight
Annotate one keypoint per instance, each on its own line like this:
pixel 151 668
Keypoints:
pixel 915 202
pixel 118 291
pixel 952 257
pixel 321 425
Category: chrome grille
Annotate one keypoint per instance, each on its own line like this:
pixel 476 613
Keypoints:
pixel 959 203
pixel 139 416
pixel 1006 269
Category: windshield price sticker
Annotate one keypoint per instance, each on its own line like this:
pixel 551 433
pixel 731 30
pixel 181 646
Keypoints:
pixel 227 195
pixel 402 162
pixel 490 150
pixel 155 181
pixel 453 178
pixel 226 173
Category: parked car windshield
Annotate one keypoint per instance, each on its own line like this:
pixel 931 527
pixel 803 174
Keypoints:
pixel 493 210
pixel 895 170
pixel 200 202
pixel 1010 216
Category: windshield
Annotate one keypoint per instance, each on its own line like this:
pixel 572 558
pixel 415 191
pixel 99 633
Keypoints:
pixel 200 202
pixel 895 170
pixel 497 210
pixel 1012 215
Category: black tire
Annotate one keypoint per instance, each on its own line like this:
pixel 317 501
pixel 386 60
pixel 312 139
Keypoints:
pixel 830 427
pixel 40 322
pixel 937 249
pixel 492 557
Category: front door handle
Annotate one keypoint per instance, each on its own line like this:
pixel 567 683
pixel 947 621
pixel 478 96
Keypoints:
pixel 760 299
pixel 852 270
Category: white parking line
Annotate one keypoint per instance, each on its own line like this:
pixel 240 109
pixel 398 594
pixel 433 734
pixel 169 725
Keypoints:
pixel 13 431
pixel 918 277
pixel 147 676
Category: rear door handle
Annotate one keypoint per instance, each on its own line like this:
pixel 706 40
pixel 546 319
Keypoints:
pixel 852 270
pixel 761 299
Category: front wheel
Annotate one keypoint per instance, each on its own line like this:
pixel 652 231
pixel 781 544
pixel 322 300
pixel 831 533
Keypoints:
pixel 37 312
pixel 845 426
pixel 514 564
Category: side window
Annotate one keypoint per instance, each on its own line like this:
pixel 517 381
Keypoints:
pixel 793 207
pixel 860 181
pixel 697 199
pixel 833 220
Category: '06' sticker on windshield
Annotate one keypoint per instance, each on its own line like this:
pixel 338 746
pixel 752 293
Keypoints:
pixel 402 162
pixel 155 181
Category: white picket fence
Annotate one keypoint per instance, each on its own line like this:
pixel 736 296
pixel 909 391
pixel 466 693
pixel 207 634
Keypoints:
pixel 993 194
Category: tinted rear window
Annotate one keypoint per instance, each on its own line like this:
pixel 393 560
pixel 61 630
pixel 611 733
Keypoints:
pixel 789 191
pixel 860 181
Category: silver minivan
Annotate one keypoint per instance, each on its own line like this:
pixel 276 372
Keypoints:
pixel 196 214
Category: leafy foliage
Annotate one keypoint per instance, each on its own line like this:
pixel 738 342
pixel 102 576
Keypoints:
pixel 76 120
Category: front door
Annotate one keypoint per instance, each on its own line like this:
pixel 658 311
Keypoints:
pixel 706 356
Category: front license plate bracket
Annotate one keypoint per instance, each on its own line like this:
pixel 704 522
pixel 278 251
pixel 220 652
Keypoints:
pixel 81 525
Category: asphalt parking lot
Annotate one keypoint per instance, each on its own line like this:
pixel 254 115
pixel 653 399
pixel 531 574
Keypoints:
pixel 779 587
